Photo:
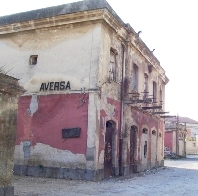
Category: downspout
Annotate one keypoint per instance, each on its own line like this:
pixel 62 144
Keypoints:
pixel 177 136
pixel 122 111
pixel 185 132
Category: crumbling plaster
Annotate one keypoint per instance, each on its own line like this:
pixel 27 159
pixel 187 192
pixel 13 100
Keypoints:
pixel 91 35
pixel 45 43
pixel 45 155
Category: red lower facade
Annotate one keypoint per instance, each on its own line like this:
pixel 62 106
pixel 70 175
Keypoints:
pixel 42 150
pixel 55 112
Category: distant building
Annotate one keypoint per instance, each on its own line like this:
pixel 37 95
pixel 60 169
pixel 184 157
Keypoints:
pixel 186 142
pixel 94 91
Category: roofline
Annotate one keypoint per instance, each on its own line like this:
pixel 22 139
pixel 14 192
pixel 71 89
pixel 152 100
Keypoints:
pixel 53 11
pixel 80 6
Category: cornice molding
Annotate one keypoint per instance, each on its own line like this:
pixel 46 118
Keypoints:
pixel 52 22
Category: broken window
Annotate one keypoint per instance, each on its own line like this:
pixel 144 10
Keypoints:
pixel 112 68
pixel 145 86
pixel 135 78
pixel 145 149
pixel 154 92
pixel 33 59
pixel 145 131
pixel 153 132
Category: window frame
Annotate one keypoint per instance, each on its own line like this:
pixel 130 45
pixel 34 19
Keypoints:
pixel 135 78
pixel 112 66
pixel 146 87
pixel 154 92
pixel 33 60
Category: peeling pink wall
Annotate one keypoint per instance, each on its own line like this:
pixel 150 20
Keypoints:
pixel 144 120
pixel 116 116
pixel 55 112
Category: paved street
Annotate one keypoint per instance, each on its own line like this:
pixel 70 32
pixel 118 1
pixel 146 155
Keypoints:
pixel 177 178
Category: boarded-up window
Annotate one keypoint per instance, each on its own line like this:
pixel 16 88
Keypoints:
pixel 135 78
pixel 112 67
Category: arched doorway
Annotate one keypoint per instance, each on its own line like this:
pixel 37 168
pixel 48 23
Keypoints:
pixel 133 149
pixel 108 155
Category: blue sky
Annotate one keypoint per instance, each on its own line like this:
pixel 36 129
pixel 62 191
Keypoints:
pixel 169 27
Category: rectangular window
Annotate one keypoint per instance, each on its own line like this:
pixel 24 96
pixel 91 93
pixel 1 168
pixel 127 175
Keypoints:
pixel 33 59
pixel 145 149
pixel 161 99
pixel 145 86
pixel 135 78
pixel 154 92
pixel 112 67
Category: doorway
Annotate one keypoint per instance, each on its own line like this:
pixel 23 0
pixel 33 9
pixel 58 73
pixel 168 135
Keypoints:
pixel 108 155
pixel 133 149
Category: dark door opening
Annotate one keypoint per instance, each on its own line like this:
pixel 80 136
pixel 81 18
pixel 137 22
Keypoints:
pixel 108 150
pixel 133 147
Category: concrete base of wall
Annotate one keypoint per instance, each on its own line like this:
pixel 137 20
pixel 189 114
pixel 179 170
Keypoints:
pixel 138 168
pixel 143 167
pixel 148 166
pixel 115 171
pixel 74 174
pixel 162 163
pixel 7 191
pixel 152 165
pixel 126 170
pixel 61 173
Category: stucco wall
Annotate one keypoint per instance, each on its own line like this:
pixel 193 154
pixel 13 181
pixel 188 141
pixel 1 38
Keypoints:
pixel 65 53
pixel 191 147
pixel 134 57
pixel 43 131
pixel 79 52
pixel 181 148
pixel 154 156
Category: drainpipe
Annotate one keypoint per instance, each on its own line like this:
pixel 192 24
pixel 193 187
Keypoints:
pixel 177 136
pixel 122 111
pixel 185 132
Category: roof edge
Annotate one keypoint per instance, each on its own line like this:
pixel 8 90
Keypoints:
pixel 53 11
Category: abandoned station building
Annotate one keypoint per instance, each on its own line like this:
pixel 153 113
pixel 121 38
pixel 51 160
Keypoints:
pixel 93 96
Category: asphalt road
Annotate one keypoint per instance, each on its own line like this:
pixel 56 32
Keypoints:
pixel 177 178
